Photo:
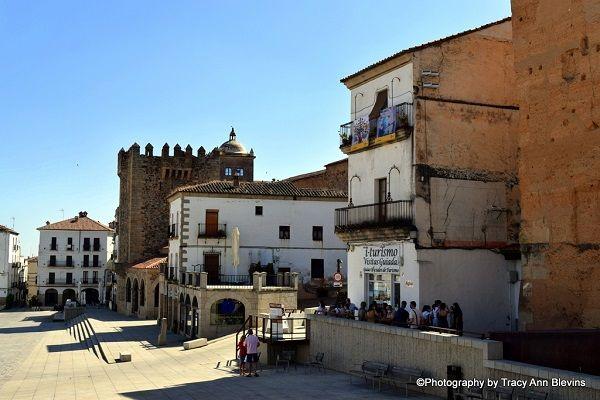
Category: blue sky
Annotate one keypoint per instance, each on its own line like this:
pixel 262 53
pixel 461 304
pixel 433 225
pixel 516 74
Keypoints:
pixel 81 79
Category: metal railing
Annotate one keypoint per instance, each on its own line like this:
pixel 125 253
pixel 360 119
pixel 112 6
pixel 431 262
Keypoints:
pixel 404 119
pixel 235 280
pixel 390 213
pixel 212 230
pixel 286 328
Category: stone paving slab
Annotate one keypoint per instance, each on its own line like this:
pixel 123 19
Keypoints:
pixel 57 367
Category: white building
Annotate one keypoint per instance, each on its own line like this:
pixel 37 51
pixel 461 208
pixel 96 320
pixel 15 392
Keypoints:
pixel 432 179
pixel 72 260
pixel 10 265
pixel 224 227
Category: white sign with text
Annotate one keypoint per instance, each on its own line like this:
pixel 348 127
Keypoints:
pixel 382 259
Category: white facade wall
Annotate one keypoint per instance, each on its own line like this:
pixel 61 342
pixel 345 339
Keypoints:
pixel 10 252
pixel 61 253
pixel 259 235
pixel 363 97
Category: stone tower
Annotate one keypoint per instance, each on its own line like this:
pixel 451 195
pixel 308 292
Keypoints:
pixel 146 180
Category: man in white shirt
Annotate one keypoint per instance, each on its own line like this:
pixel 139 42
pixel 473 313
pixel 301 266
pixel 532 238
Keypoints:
pixel 413 316
pixel 252 344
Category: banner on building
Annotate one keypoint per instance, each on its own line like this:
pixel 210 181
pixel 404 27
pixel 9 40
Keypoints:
pixel 386 124
pixel 360 133
pixel 382 259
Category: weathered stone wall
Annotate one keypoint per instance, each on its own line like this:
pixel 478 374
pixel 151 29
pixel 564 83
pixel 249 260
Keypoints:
pixel 347 343
pixel 334 176
pixel 465 140
pixel 146 181
pixel 150 277
pixel 557 60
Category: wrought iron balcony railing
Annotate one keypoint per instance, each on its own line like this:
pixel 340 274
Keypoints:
pixel 212 230
pixel 402 119
pixel 388 214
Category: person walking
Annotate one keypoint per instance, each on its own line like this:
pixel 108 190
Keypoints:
pixel 458 318
pixel 252 343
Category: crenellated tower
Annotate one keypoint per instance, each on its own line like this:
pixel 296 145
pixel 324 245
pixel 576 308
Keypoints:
pixel 146 180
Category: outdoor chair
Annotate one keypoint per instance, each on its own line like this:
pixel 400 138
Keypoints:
pixel 401 377
pixel 285 358
pixel 370 370
pixel 317 363
pixel 470 393
pixel 533 395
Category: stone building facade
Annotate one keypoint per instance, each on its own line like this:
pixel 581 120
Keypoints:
pixel 334 176
pixel 557 60
pixel 147 179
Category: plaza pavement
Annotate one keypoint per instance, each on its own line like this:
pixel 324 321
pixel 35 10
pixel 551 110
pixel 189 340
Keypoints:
pixel 41 360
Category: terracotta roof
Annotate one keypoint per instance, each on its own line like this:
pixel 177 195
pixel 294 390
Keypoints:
pixel 153 263
pixel 7 229
pixel 76 224
pixel 424 45
pixel 261 188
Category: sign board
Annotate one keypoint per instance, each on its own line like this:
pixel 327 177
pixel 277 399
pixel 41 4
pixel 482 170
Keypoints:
pixel 382 259
pixel 337 279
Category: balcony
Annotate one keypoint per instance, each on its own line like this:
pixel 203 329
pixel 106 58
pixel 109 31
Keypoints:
pixel 395 124
pixel 390 214
pixel 216 231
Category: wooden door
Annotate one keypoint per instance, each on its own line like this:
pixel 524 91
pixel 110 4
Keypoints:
pixel 212 222
pixel 211 267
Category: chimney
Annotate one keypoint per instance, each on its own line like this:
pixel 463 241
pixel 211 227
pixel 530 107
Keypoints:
pixel 47 222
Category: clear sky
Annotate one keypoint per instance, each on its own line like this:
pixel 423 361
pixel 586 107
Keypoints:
pixel 81 79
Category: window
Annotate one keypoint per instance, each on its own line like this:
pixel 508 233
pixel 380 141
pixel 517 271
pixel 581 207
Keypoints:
pixel 381 102
pixel 69 243
pixel 258 210
pixel 95 261
pixel 69 277
pixel 85 277
pixel 86 260
pixel 284 232
pixel 52 262
pixel 227 312
pixel 239 171
pixel 318 233
pixel 317 268
pixel 86 244
pixel 228 171
pixel 95 276
pixel 51 277
pixel 96 244
pixel 69 261
pixel 53 245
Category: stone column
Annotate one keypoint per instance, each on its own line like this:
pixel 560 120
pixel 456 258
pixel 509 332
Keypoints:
pixel 203 280
pixel 295 280
pixel 286 279
pixel 257 282
pixel 279 279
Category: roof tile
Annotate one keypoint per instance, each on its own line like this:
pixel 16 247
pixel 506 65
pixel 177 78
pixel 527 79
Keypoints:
pixel 261 188
pixel 76 224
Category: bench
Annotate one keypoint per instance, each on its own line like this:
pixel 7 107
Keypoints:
pixel 402 377
pixel 195 343
pixel 370 370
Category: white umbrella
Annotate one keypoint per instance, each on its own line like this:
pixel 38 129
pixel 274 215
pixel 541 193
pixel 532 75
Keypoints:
pixel 235 246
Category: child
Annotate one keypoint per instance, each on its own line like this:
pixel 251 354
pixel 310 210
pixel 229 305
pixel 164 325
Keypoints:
pixel 241 348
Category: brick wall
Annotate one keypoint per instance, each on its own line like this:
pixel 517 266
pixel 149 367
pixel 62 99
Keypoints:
pixel 557 60
pixel 334 176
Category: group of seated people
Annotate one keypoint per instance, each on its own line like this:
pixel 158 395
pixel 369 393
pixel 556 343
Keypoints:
pixel 439 315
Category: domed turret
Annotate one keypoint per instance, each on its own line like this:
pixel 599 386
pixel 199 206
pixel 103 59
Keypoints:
pixel 232 146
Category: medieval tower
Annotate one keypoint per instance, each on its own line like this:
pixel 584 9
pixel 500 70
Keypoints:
pixel 146 180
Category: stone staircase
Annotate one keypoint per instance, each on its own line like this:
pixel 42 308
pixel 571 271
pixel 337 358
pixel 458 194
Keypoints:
pixel 81 329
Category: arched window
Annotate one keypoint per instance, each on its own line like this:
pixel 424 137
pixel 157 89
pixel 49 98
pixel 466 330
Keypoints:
pixel 128 291
pixel 227 312
pixel 142 293
pixel 156 295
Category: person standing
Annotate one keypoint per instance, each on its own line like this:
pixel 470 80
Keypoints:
pixel 362 312
pixel 413 316
pixel 401 315
pixel 242 353
pixel 458 318
pixel 252 343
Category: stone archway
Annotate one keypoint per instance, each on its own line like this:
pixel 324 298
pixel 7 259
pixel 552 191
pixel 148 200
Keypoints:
pixel 51 297
pixel 128 291
pixel 135 297
pixel 142 293
pixel 91 296
pixel 68 294
pixel 227 311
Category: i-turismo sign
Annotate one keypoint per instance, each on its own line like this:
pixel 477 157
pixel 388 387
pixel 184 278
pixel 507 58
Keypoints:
pixel 382 259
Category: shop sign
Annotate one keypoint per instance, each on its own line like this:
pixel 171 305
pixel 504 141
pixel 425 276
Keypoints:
pixel 382 259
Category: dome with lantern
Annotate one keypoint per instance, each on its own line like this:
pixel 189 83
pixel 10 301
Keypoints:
pixel 232 146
